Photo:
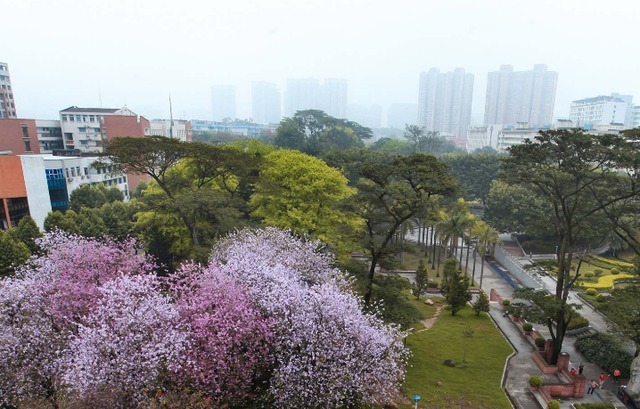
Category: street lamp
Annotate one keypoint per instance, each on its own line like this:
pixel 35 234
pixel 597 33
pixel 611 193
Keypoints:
pixel 416 398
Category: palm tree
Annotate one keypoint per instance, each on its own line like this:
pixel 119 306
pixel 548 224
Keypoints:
pixel 487 239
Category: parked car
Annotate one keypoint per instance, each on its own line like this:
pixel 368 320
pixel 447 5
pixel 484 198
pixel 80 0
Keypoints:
pixel 626 398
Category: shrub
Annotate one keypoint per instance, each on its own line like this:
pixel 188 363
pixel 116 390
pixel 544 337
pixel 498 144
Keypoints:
pixel 578 322
pixel 553 404
pixel 605 351
pixel 597 271
pixel 535 381
pixel 615 271
pixel 591 291
pixel 589 274
pixel 527 326
pixel 540 341
pixel 602 298
pixel 594 406
pixel 506 302
pixel 432 284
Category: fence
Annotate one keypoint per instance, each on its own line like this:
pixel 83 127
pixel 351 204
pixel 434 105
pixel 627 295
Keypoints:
pixel 516 269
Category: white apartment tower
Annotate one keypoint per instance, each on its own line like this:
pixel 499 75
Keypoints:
pixel 444 101
pixel 521 96
pixel 7 102
pixel 265 103
pixel 302 93
pixel 223 102
pixel 334 97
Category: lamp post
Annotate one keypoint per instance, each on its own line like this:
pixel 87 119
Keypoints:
pixel 416 398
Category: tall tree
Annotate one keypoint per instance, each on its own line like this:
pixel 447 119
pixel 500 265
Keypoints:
pixel 474 171
pixel 455 287
pixel 581 176
pixel 422 279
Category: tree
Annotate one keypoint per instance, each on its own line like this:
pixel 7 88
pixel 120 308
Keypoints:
pixel 57 220
pixel 487 239
pixel 392 190
pixel 14 253
pixel 474 171
pixel 328 352
pixel 228 348
pixel 87 196
pixel 623 310
pixel 422 279
pixel 481 304
pixel 581 176
pixel 302 193
pixel 27 231
pixel 455 288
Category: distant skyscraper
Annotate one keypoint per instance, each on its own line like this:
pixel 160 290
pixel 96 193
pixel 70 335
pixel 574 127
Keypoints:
pixel 400 115
pixel 265 103
pixel 223 102
pixel 444 101
pixel 521 96
pixel 7 103
pixel 334 97
pixel 302 94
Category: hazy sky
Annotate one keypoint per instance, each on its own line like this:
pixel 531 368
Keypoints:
pixel 136 52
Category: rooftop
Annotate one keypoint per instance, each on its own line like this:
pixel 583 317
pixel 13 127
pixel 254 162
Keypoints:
pixel 96 110
pixel 600 98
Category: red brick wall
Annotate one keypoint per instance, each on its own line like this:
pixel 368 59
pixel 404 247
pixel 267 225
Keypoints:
pixel 117 125
pixel 11 136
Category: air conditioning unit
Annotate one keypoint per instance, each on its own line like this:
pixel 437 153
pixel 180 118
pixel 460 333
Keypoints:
pixel 69 179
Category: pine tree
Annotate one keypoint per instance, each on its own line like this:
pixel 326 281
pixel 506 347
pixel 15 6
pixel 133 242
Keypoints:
pixel 481 304
pixel 422 279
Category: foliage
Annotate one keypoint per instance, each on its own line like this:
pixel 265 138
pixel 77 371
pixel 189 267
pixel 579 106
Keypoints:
pixel 66 222
pixel 614 271
pixel 578 322
pixel 27 231
pixel 602 298
pixel 14 252
pixel 594 406
pixel 591 291
pixel 328 352
pixel 605 351
pixel 527 326
pixel 474 171
pixel 540 341
pixel 93 197
pixel 604 282
pixel 535 381
pixel 506 302
pixel 422 279
pixel 456 290
pixel 553 404
pixel 582 179
pixel 302 193
pixel 392 296
pixel 624 310
pixel 481 304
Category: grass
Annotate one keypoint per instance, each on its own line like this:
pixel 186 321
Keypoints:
pixel 477 383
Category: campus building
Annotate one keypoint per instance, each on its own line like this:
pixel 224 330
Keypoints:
pixel 603 111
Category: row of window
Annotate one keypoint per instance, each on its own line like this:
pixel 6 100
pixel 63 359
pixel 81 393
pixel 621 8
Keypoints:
pixel 6 86
pixel 82 118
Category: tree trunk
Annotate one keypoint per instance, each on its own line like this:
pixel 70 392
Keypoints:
pixel 473 272
pixel 466 264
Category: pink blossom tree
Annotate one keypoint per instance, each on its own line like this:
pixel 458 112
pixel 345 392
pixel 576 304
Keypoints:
pixel 229 340
pixel 129 341
pixel 328 352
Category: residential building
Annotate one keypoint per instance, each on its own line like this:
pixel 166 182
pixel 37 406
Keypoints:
pixel 302 94
pixel 603 110
pixel 49 135
pixel 444 101
pixel 18 136
pixel 38 184
pixel 86 129
pixel 223 102
pixel 7 102
pixel 399 115
pixel 334 97
pixel 521 96
pixel 635 116
pixel 265 103
pixel 479 137
pixel 366 115
pixel 171 128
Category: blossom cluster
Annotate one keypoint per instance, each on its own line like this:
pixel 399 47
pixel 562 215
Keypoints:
pixel 270 318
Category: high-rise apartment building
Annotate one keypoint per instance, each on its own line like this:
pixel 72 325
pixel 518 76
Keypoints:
pixel 602 111
pixel 223 102
pixel 7 102
pixel 265 103
pixel 334 97
pixel 302 93
pixel 444 101
pixel 521 97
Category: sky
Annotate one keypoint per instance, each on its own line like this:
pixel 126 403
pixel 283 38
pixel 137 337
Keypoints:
pixel 112 53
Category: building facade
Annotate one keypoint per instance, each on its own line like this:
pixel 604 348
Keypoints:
pixel 265 103
pixel 18 136
pixel 444 101
pixel 334 94
pixel 171 128
pixel 223 102
pixel 521 96
pixel 7 102
pixel 49 135
pixel 301 94
pixel 602 111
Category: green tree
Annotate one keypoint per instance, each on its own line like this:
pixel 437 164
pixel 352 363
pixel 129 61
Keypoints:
pixel 487 238
pixel 27 231
pixel 455 287
pixel 474 171
pixel 481 304
pixel 299 192
pixel 118 219
pixel 14 253
pixel 422 279
pixel 62 221
pixel 392 190
pixel 87 196
pixel 581 176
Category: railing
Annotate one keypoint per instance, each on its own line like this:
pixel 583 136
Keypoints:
pixel 517 269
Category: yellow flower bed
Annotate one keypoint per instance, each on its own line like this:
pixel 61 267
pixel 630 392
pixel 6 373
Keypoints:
pixel 613 262
pixel 604 282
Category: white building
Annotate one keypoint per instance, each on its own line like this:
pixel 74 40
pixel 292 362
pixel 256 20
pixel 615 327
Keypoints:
pixel 176 128
pixel 223 102
pixel 521 96
pixel 635 116
pixel 444 101
pixel 302 94
pixel 334 97
pixel 265 103
pixel 479 137
pixel 600 111
pixel 49 135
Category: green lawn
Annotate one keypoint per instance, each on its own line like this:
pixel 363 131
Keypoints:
pixel 478 382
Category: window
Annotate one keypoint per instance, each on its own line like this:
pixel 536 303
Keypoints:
pixel 27 145
pixel 82 129
pixel 78 118
pixel 71 118
pixel 25 132
pixel 84 118
pixel 92 118
pixel 86 171
pixel 73 171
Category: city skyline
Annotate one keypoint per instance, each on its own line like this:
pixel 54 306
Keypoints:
pixel 380 56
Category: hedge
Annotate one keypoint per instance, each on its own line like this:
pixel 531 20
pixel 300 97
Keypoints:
pixel 578 322
pixel 605 351
pixel 605 282
pixel 594 406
